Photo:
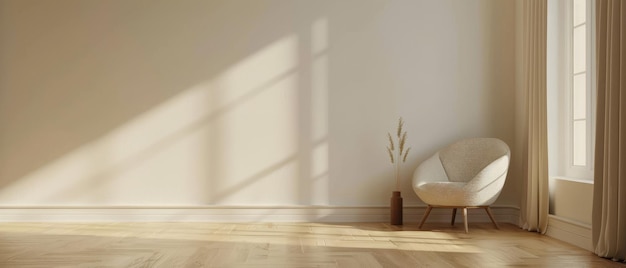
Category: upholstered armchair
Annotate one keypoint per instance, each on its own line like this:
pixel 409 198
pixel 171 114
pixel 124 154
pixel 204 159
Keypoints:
pixel 469 173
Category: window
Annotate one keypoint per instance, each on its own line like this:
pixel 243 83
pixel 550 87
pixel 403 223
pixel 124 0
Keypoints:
pixel 571 49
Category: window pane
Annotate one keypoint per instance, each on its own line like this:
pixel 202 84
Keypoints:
pixel 579 12
pixel 579 103
pixel 579 49
pixel 579 146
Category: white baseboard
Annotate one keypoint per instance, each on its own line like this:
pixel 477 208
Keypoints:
pixel 569 231
pixel 412 214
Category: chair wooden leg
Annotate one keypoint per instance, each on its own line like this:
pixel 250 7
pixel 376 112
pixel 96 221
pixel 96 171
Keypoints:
pixel 488 209
pixel 428 209
pixel 453 216
pixel 465 220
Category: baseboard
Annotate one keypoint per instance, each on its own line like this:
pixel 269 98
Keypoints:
pixel 569 231
pixel 412 214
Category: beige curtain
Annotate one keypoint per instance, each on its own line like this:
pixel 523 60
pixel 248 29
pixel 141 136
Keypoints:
pixel 534 209
pixel 609 199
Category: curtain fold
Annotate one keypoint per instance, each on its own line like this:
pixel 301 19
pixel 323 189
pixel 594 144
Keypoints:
pixel 534 207
pixel 609 199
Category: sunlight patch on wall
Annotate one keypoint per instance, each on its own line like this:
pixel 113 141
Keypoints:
pixel 256 72
pixel 257 145
pixel 231 139
pixel 257 131
pixel 90 174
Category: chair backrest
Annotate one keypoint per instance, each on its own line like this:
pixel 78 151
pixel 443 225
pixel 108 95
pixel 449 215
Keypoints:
pixel 463 159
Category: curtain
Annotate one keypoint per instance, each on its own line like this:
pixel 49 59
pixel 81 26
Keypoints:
pixel 534 209
pixel 609 196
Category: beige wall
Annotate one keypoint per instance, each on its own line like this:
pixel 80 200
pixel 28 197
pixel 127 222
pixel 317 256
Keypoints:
pixel 157 103
pixel 571 200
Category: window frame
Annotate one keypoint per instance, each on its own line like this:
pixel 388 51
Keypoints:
pixel 570 169
pixel 561 87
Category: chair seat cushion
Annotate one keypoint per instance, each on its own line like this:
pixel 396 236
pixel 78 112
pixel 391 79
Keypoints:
pixel 446 194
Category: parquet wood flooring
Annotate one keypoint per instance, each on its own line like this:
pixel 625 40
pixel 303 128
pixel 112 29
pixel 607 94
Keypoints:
pixel 282 245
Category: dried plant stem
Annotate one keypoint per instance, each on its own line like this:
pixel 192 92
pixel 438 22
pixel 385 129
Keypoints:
pixel 397 175
pixel 396 156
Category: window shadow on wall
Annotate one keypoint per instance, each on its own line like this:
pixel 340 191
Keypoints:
pixel 163 103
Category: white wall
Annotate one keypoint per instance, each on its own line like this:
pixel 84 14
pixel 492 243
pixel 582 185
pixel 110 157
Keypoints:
pixel 572 200
pixel 160 103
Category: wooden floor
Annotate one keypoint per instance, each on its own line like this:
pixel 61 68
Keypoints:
pixel 282 245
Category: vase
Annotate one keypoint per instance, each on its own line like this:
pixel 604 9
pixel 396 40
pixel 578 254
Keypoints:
pixel 396 208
